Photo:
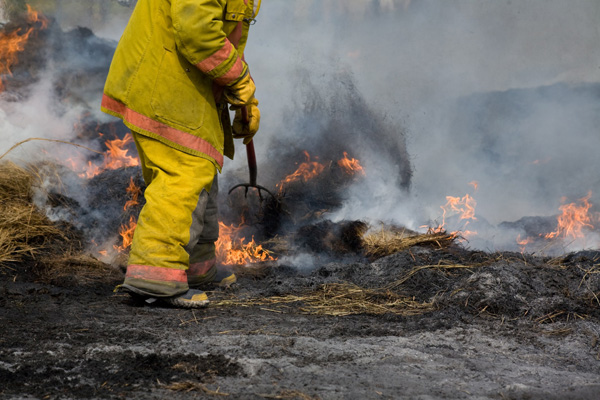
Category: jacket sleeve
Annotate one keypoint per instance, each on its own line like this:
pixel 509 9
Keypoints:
pixel 199 35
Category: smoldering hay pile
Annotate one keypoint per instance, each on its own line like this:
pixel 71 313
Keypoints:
pixel 63 220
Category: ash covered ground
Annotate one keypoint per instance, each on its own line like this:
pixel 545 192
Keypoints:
pixel 501 326
pixel 325 321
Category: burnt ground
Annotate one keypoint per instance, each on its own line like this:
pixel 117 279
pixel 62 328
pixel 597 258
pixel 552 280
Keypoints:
pixel 482 326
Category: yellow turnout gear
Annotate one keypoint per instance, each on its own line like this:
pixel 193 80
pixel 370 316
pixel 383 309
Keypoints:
pixel 167 80
pixel 247 131
pixel 177 223
pixel 170 68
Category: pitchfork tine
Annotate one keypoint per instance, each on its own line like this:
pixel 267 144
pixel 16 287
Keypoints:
pixel 252 168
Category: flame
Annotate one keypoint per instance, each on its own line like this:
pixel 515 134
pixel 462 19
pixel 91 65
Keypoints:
pixel 306 170
pixel 127 230
pixel 134 192
pixel 351 165
pixel 573 220
pixel 12 43
pixel 232 250
pixel 464 207
pixel 34 16
pixel 126 233
pixel 523 242
pixel 114 158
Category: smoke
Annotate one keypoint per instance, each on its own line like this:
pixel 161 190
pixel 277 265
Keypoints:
pixel 500 92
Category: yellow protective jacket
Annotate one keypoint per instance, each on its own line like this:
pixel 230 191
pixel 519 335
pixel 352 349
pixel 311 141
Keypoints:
pixel 169 67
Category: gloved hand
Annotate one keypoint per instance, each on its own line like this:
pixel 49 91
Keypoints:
pixel 247 131
pixel 240 92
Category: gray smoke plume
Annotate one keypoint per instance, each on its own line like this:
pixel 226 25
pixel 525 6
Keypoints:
pixel 502 93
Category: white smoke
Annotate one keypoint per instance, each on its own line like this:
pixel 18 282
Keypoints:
pixel 35 116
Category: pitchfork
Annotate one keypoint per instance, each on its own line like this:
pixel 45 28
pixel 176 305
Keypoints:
pixel 251 165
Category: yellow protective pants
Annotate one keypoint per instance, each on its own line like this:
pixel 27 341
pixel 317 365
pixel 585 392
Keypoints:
pixel 174 240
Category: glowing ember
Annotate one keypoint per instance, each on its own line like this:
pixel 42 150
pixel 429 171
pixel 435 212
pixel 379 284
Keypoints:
pixel 126 233
pixel 134 192
pixel 307 170
pixel 114 158
pixel 573 220
pixel 12 43
pixel 232 250
pixel 351 165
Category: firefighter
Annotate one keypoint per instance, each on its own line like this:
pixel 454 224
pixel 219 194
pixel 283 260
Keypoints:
pixel 177 68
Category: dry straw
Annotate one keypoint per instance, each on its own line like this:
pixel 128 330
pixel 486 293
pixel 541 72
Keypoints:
pixel 338 299
pixel 24 230
pixel 26 233
pixel 388 241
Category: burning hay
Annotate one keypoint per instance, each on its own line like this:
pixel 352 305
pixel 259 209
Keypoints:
pixel 389 241
pixel 28 237
pixel 24 230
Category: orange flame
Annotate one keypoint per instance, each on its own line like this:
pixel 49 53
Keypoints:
pixel 134 192
pixel 114 158
pixel 523 242
pixel 464 207
pixel 306 170
pixel 232 250
pixel 351 165
pixel 573 220
pixel 126 233
pixel 12 43
pixel 34 16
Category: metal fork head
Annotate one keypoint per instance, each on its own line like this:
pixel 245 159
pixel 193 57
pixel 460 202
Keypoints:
pixel 248 186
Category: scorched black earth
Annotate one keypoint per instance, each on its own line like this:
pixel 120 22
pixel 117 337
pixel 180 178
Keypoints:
pixel 472 326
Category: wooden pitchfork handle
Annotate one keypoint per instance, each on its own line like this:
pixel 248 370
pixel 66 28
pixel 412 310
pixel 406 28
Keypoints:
pixel 252 168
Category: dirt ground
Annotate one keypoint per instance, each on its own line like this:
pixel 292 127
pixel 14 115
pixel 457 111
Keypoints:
pixel 487 326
